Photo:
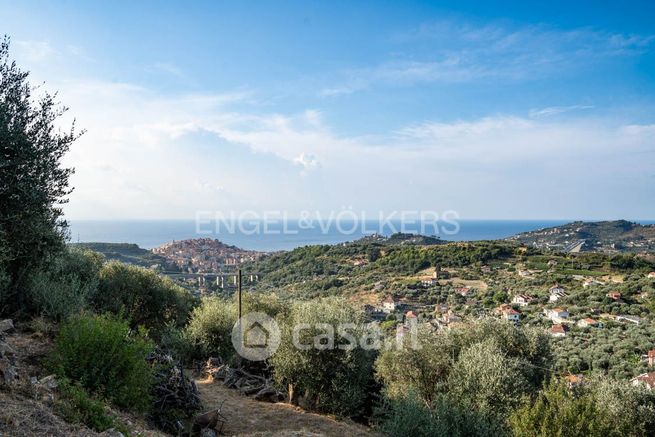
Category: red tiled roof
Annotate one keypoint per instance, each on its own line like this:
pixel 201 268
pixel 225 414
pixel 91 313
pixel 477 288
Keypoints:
pixel 646 378
pixel 558 329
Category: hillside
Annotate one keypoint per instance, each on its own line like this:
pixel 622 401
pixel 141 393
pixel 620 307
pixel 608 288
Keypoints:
pixel 606 236
pixel 479 279
pixel 125 252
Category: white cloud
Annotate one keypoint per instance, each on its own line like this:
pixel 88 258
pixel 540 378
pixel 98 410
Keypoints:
pixel 456 52
pixel 555 110
pixel 307 161
pixel 146 155
pixel 34 51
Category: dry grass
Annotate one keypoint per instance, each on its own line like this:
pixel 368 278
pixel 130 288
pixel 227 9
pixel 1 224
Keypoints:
pixel 247 417
pixel 24 411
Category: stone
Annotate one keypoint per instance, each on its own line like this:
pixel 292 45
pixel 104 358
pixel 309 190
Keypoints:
pixel 6 350
pixel 49 382
pixel 206 432
pixel 8 371
pixel 6 325
pixel 111 432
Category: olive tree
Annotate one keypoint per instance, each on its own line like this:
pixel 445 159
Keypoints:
pixel 33 182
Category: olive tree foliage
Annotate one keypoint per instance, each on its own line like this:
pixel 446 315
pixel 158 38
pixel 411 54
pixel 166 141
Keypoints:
pixel 210 326
pixel 448 360
pixel 33 182
pixel 64 287
pixel 330 371
pixel 601 406
pixel 423 370
pixel 408 415
pixel 142 296
pixel 486 379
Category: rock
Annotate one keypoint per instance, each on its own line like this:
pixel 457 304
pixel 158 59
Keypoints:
pixel 8 371
pixel 49 382
pixel 111 432
pixel 6 325
pixel 34 380
pixel 208 433
pixel 6 350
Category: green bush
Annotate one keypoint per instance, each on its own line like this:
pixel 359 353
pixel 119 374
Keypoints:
pixel 435 367
pixel 64 287
pixel 560 411
pixel 141 295
pixel 75 405
pixel 176 342
pixel 333 380
pixel 408 415
pixel 106 358
pixel 599 407
pixel 211 323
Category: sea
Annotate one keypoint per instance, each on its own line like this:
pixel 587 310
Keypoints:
pixel 276 236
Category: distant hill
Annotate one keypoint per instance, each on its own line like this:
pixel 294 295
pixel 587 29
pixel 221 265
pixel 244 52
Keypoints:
pixel 125 252
pixel 400 238
pixel 605 236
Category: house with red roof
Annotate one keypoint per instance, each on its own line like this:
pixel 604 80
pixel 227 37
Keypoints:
pixel 646 379
pixel 558 330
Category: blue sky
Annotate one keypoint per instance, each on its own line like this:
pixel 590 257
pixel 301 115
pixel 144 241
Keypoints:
pixel 491 109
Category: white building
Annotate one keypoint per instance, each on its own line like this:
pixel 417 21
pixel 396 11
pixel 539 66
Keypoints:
pixel 389 305
pixel 557 315
pixel 556 293
pixel 522 300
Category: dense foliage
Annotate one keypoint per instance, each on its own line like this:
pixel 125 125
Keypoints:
pixel 210 326
pixel 105 357
pixel 142 296
pixel 599 408
pixel 33 184
pixel 328 375
pixel 77 406
pixel 64 287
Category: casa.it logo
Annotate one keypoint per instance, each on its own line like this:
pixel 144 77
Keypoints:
pixel 256 336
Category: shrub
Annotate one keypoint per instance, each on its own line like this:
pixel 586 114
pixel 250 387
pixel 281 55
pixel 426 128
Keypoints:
pixel 211 323
pixel 64 287
pixel 103 356
pixel 408 415
pixel 141 295
pixel 75 405
pixel 176 342
pixel 560 411
pixel 334 380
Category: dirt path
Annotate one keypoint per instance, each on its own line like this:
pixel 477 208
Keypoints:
pixel 246 416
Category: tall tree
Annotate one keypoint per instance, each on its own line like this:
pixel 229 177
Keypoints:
pixel 33 182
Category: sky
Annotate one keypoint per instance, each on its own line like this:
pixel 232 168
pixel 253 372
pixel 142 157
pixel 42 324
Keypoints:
pixel 494 110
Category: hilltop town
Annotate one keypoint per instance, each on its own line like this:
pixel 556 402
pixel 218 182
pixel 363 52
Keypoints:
pixel 204 255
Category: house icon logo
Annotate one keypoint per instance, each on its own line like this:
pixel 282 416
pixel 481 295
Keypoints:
pixel 256 336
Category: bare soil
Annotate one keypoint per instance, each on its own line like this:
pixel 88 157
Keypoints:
pixel 247 417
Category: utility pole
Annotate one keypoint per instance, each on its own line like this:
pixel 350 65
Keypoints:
pixel 239 291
